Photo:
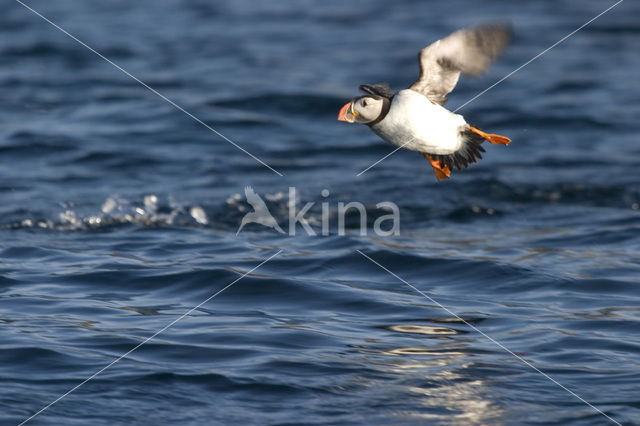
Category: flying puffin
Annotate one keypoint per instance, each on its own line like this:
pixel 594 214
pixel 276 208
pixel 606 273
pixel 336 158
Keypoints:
pixel 415 118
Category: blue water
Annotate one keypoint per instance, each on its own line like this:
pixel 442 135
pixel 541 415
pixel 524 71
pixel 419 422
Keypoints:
pixel 119 213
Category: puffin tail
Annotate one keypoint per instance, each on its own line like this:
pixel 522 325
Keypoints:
pixel 494 139
pixel 469 152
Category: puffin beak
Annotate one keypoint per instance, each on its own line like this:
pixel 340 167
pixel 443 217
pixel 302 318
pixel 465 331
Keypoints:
pixel 345 114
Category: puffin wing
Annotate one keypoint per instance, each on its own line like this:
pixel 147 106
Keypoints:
pixel 468 51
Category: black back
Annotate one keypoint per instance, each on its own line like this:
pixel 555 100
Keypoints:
pixel 379 89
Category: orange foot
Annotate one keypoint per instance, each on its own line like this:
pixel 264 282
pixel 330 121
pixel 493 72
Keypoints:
pixel 494 139
pixel 442 172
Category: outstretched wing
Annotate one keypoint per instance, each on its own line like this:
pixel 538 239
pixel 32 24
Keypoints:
pixel 469 51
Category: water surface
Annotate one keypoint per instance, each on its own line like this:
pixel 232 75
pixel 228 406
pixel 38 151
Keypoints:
pixel 119 214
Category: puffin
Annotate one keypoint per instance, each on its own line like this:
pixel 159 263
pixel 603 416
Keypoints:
pixel 416 119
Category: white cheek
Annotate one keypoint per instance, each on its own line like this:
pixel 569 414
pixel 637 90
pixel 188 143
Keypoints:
pixel 373 112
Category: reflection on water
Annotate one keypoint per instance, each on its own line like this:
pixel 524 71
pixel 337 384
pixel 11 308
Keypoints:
pixel 420 351
pixel 462 399
pixel 422 329
pixel 439 377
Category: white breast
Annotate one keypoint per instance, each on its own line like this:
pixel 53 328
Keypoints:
pixel 414 122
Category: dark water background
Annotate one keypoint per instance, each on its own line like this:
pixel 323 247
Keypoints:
pixel 118 213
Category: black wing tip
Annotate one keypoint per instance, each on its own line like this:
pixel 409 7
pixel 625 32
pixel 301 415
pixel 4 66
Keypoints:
pixel 502 28
pixel 491 38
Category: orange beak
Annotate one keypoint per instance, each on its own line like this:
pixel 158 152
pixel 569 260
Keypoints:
pixel 344 115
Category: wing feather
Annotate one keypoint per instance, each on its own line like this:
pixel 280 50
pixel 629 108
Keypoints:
pixel 468 51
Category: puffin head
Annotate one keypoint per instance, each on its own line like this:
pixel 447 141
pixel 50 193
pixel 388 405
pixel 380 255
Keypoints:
pixel 370 108
pixel 363 109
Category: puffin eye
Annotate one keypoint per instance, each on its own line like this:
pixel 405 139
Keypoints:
pixel 364 103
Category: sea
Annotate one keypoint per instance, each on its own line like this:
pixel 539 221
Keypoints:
pixel 137 137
